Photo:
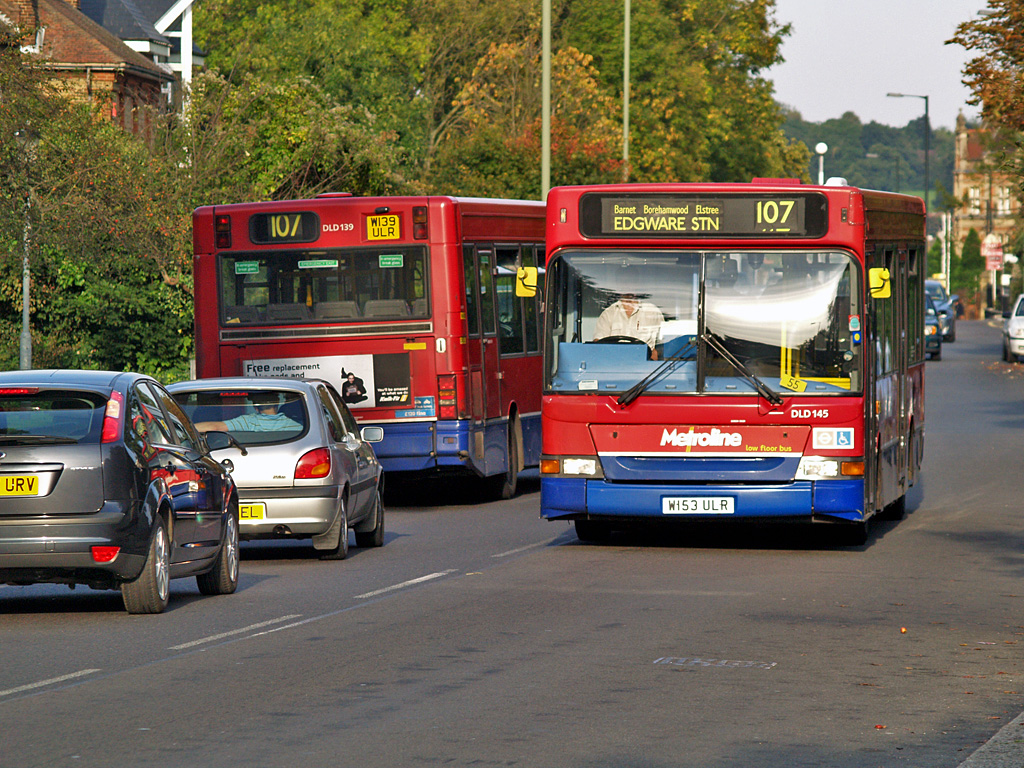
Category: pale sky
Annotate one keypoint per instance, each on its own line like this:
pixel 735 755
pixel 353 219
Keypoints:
pixel 846 55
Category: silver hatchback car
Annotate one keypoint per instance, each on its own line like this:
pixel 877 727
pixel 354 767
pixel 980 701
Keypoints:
pixel 302 466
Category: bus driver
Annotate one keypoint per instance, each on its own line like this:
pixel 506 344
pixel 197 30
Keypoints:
pixel 633 318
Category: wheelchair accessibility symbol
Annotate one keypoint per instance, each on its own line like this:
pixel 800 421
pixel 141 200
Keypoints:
pixel 841 439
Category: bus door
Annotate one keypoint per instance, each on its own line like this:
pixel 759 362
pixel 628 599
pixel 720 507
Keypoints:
pixel 475 393
pixel 900 279
pixel 489 326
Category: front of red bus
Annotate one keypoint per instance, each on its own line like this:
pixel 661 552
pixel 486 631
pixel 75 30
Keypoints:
pixel 704 359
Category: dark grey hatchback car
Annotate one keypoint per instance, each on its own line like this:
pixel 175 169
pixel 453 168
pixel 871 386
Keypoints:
pixel 105 482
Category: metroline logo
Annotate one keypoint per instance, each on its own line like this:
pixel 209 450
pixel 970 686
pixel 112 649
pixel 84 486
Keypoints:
pixel 716 438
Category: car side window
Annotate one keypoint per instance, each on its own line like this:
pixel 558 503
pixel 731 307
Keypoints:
pixel 152 415
pixel 331 413
pixel 184 434
pixel 351 426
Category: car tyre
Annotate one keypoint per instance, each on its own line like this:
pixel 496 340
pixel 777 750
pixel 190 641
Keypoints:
pixel 222 579
pixel 375 537
pixel 340 552
pixel 151 591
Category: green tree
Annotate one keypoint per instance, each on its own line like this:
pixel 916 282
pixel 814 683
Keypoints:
pixel 965 271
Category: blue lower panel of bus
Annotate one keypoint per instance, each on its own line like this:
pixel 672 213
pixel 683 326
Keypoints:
pixel 422 446
pixel 565 497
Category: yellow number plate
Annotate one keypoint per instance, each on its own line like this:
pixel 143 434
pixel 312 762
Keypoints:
pixel 383 228
pixel 252 511
pixel 19 485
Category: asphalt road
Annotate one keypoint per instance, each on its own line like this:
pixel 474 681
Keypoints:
pixel 480 635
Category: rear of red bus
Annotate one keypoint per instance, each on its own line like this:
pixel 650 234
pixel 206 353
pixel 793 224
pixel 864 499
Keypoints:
pixel 762 391
pixel 366 293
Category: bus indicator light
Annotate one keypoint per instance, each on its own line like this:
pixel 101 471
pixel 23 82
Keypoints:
pixel 222 228
pixel 419 222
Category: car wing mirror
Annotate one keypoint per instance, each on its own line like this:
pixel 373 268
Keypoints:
pixel 216 441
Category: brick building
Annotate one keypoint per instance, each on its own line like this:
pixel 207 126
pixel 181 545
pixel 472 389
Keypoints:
pixel 990 201
pixel 93 64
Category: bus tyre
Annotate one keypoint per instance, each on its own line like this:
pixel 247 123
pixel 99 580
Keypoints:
pixel 151 591
pixel 896 510
pixel 592 531
pixel 853 534
pixel 340 552
pixel 504 486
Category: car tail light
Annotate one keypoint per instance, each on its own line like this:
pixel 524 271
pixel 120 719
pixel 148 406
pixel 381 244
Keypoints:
pixel 315 463
pixel 446 397
pixel 105 554
pixel 113 418
pixel 19 390
pixel 419 222
pixel 222 228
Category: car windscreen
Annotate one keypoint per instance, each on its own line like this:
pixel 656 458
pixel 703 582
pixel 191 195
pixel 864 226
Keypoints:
pixel 251 416
pixel 28 415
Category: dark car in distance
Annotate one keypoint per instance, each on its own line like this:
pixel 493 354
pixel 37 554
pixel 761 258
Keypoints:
pixel 945 305
pixel 932 330
pixel 105 482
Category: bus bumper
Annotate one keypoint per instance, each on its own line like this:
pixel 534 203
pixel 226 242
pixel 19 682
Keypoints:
pixel 569 498
pixel 423 446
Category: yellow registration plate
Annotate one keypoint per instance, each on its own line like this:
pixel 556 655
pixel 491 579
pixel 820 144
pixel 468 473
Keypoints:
pixel 383 227
pixel 256 511
pixel 19 485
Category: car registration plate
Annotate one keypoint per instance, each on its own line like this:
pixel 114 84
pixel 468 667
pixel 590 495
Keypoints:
pixel 383 227
pixel 698 505
pixel 19 485
pixel 254 511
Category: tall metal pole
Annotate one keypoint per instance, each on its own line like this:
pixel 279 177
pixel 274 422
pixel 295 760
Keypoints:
pixel 625 95
pixel 545 91
pixel 25 341
pixel 927 140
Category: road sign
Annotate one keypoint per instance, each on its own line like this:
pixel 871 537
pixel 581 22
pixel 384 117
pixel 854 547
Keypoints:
pixel 992 250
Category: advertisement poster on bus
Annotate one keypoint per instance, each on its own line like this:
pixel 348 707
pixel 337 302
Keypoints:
pixel 364 381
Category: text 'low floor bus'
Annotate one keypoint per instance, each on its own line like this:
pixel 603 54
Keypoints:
pixel 416 308
pixel 727 351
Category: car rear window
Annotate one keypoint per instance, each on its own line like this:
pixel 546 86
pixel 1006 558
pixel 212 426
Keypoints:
pixel 28 415
pixel 252 416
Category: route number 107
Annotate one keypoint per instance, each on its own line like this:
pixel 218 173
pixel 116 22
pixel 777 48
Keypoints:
pixel 774 211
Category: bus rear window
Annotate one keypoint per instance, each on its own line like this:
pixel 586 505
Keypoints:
pixel 324 286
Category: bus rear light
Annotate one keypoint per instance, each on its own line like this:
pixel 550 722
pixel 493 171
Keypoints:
pixel 447 397
pixel 419 222
pixel 105 554
pixel 853 468
pixel 113 418
pixel 315 463
pixel 222 228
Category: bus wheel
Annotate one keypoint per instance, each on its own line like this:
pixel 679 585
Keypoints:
pixel 504 486
pixel 896 510
pixel 592 531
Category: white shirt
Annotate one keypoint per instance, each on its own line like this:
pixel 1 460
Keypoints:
pixel 644 323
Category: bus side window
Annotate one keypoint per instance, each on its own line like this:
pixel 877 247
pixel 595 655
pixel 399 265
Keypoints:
pixel 486 291
pixel 472 291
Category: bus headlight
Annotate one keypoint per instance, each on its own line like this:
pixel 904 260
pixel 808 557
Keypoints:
pixel 579 466
pixel 816 468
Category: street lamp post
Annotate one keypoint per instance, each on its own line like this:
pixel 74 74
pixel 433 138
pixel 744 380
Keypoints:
pixel 27 141
pixel 821 148
pixel 927 138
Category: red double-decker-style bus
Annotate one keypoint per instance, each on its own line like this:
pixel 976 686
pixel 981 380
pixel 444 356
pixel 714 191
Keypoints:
pixel 725 351
pixel 421 310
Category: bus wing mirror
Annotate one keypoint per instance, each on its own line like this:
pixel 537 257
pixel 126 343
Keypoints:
pixel 526 282
pixel 879 283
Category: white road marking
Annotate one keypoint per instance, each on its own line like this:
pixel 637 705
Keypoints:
pixel 51 681
pixel 404 584
pixel 222 635
pixel 522 549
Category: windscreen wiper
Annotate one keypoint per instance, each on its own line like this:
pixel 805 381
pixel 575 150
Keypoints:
pixel 763 389
pixel 667 366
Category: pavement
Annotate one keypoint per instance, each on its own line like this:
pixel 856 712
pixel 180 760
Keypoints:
pixel 1004 750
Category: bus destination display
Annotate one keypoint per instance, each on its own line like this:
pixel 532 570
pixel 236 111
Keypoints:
pixel 291 227
pixel 682 216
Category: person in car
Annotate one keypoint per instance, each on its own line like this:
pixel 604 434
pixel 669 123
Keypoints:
pixel 267 418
